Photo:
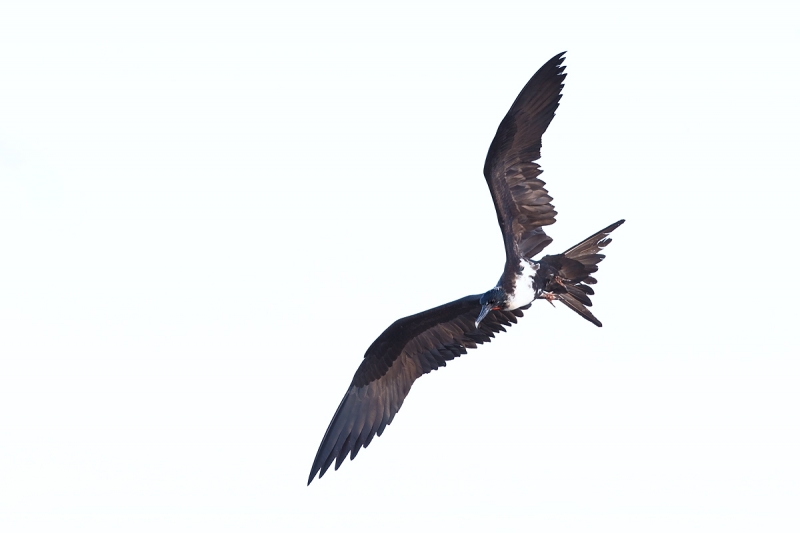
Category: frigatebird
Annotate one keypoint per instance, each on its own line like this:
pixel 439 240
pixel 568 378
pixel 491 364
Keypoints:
pixel 418 344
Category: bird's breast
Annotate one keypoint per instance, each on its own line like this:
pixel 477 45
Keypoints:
pixel 524 291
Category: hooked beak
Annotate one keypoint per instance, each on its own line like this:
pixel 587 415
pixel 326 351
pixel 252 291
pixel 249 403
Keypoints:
pixel 484 311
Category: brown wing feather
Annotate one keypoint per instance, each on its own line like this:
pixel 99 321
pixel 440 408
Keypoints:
pixel 522 203
pixel 409 348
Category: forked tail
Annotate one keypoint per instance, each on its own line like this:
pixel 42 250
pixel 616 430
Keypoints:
pixel 570 273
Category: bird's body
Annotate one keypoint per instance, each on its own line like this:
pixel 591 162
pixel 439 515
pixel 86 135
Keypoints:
pixel 522 289
pixel 418 344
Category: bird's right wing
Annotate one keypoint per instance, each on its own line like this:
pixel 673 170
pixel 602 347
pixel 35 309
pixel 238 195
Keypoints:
pixel 409 348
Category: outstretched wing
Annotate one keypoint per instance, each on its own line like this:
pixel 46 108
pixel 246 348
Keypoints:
pixel 409 348
pixel 522 203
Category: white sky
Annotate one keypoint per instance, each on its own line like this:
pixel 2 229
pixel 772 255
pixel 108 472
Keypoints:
pixel 209 210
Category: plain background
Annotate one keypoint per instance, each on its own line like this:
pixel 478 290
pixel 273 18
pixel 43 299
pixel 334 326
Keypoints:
pixel 208 211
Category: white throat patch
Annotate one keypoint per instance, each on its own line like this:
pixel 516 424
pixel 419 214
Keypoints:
pixel 523 286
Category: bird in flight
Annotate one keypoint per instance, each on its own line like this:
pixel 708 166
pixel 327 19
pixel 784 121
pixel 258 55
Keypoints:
pixel 417 344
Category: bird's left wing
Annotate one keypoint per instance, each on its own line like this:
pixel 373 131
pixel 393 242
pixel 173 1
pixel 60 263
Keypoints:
pixel 522 203
pixel 409 348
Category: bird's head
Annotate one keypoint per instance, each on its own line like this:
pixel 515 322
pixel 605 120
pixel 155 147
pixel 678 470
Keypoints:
pixel 491 301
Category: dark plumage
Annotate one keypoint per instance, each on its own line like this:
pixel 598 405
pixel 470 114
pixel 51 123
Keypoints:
pixel 418 344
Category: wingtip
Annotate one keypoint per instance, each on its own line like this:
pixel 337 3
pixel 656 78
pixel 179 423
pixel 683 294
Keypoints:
pixel 314 471
pixel 556 61
pixel 611 227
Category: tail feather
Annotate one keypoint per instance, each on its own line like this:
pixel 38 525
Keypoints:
pixel 593 244
pixel 577 292
pixel 573 303
pixel 572 270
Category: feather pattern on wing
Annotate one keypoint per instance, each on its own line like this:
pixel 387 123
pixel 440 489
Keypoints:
pixel 522 203
pixel 409 348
